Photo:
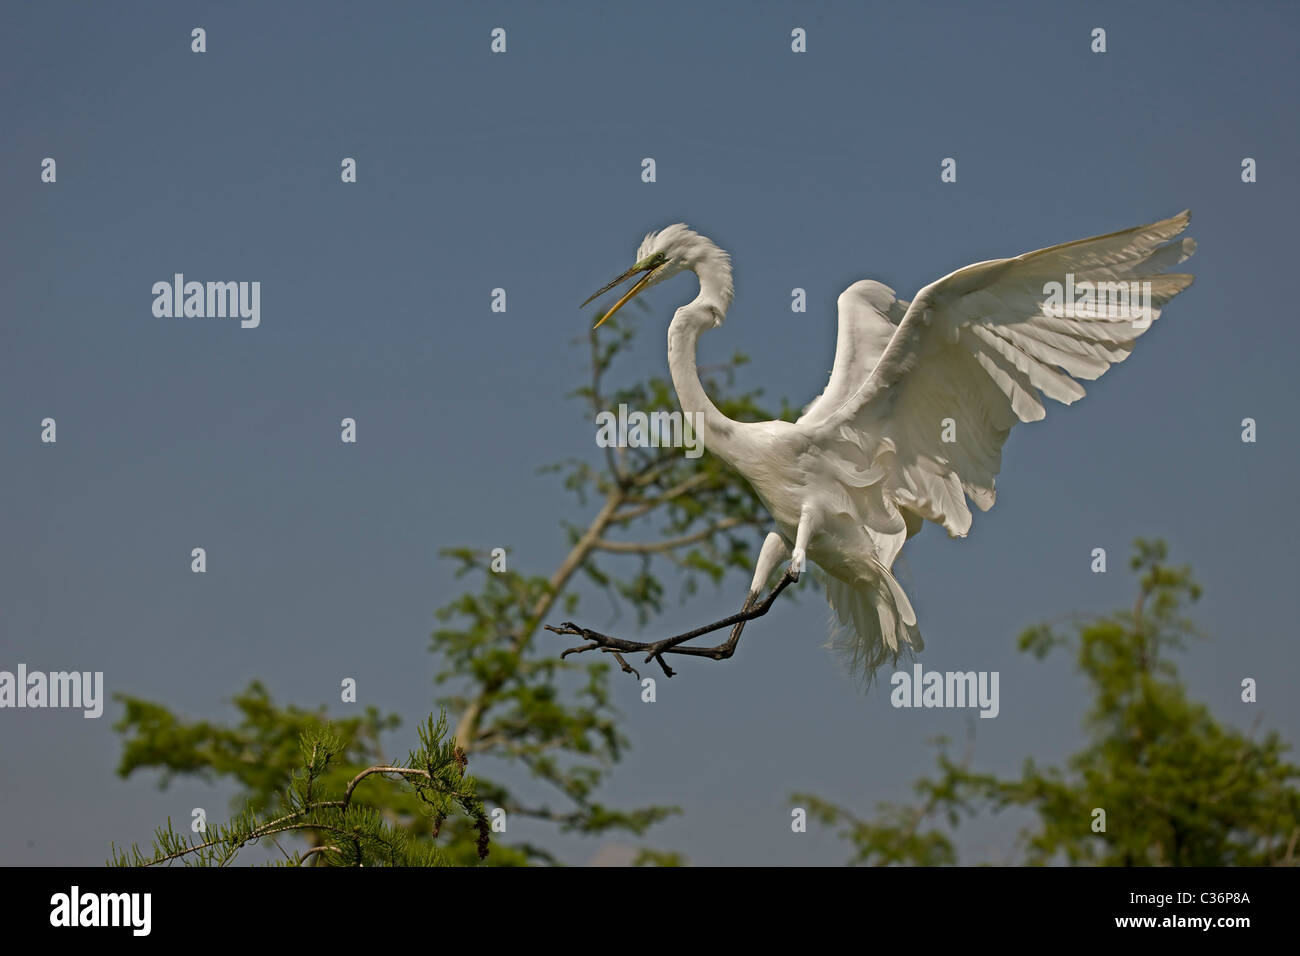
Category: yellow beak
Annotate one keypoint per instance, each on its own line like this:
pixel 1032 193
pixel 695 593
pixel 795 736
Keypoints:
pixel 631 293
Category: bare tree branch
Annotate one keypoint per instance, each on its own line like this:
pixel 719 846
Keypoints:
pixel 667 544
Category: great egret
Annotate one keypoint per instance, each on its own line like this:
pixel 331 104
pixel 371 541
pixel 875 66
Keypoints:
pixel 921 398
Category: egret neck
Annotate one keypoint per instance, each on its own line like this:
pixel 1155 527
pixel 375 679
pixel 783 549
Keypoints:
pixel 706 311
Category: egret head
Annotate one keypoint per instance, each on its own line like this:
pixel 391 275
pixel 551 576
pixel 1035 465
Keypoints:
pixel 663 255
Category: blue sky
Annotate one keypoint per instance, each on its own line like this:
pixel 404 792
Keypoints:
pixel 522 171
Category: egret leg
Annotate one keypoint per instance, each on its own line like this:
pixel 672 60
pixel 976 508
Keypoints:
pixel 808 523
pixel 774 550
pixel 655 651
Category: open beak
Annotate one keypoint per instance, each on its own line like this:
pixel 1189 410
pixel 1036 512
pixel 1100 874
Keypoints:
pixel 631 293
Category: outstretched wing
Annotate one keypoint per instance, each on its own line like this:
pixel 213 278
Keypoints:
pixel 975 350
pixel 869 317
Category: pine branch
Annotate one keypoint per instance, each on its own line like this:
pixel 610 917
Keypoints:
pixel 359 836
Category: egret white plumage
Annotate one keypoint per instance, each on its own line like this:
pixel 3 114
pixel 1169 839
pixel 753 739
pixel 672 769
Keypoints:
pixel 921 398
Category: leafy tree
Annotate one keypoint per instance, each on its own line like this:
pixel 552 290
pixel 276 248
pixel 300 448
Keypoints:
pixel 1178 787
pixel 511 696
pixel 347 832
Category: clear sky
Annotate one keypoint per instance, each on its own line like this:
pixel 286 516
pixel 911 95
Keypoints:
pixel 522 171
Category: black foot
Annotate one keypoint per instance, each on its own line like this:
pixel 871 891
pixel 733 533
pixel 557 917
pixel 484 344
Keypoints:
pixel 656 650
pixel 612 645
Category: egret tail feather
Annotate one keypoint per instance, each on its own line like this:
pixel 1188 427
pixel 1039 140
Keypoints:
pixel 872 624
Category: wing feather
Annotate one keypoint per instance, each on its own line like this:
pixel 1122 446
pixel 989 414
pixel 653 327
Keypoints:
pixel 868 318
pixel 974 353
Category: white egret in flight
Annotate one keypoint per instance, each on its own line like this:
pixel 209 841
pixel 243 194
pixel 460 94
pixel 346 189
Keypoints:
pixel 920 400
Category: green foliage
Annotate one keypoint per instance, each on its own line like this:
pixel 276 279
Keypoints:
pixel 895 837
pixel 703 515
pixel 259 752
pixel 1178 788
pixel 512 697
pixel 342 830
pixel 647 857
pixel 515 703
pixel 518 698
